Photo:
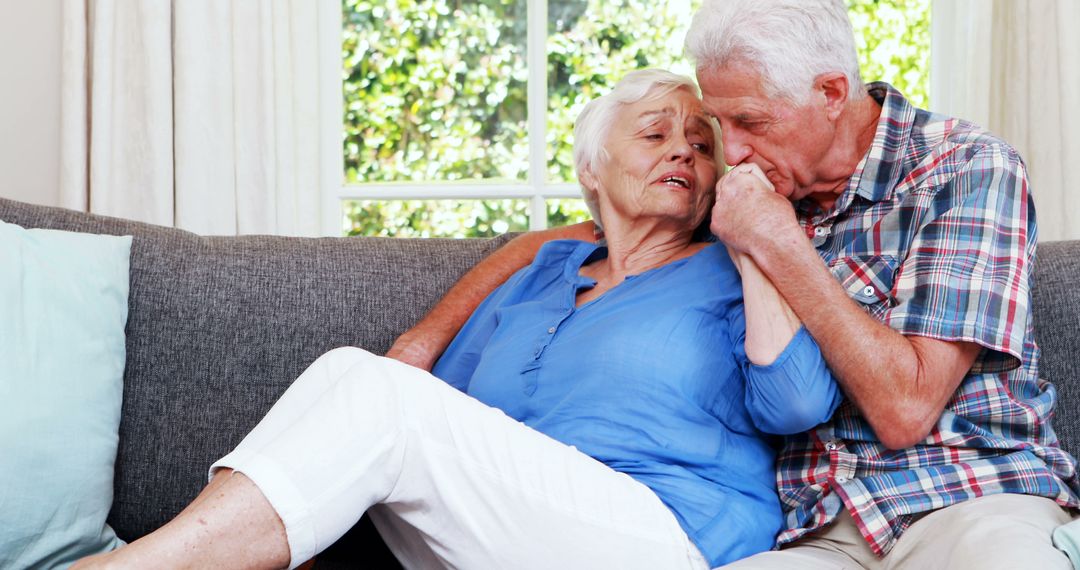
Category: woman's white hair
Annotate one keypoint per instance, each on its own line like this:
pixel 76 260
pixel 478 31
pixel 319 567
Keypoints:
pixel 790 42
pixel 593 125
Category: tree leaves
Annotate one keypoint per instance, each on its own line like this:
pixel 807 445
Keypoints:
pixel 435 90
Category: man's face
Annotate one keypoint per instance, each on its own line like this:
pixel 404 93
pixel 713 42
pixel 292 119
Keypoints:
pixel 787 141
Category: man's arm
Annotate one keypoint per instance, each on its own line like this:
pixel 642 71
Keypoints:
pixel 422 345
pixel 900 383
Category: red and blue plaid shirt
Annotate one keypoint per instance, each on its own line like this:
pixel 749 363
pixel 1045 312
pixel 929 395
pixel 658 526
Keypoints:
pixel 934 236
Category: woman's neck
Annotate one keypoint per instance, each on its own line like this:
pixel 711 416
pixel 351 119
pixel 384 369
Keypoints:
pixel 634 250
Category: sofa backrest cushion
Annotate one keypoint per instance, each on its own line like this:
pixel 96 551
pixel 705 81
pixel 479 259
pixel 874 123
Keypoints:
pixel 218 327
pixel 1056 298
pixel 63 310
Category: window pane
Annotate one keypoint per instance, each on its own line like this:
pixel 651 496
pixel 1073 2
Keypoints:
pixel 893 41
pixel 592 44
pixel 435 218
pixel 566 211
pixel 434 90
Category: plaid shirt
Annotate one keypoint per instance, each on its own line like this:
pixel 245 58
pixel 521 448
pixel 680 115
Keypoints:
pixel 934 236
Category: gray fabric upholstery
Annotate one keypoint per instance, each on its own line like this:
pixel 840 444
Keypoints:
pixel 220 326
pixel 1056 298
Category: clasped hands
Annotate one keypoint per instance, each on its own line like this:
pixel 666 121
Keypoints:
pixel 748 211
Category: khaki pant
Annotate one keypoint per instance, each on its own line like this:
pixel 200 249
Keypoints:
pixel 996 531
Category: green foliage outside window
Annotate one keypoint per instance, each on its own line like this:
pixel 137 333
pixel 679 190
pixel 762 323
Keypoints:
pixel 892 38
pixel 435 90
pixel 593 44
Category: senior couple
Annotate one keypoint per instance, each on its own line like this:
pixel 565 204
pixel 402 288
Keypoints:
pixel 847 379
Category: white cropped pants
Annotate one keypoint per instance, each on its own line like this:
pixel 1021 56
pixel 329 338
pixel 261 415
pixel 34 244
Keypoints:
pixel 454 483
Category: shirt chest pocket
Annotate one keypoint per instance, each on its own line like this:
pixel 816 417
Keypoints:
pixel 868 280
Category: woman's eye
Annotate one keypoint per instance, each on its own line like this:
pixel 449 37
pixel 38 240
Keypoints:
pixel 654 136
pixel 703 147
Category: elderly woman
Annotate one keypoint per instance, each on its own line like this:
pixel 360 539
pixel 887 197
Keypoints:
pixel 606 407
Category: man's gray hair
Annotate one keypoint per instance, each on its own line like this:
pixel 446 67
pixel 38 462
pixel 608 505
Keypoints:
pixel 789 42
pixel 593 125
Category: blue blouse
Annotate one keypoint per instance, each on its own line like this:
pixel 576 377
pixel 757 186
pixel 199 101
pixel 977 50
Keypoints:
pixel 650 378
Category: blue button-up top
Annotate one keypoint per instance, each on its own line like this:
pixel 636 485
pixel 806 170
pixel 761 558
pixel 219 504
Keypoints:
pixel 650 378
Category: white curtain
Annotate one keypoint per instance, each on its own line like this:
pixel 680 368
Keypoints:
pixel 199 114
pixel 1013 66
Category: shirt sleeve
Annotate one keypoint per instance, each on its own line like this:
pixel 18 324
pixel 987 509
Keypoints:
pixel 459 361
pixel 966 276
pixel 795 392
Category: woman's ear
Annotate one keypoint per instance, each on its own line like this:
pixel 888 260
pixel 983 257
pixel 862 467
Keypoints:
pixel 589 180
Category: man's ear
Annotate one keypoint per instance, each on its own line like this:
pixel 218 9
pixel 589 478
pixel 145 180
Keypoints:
pixel 833 87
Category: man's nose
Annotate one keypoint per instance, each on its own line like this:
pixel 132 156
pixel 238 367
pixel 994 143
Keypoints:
pixel 736 151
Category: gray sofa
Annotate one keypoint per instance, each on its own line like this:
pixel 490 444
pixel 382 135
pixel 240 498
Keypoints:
pixel 219 326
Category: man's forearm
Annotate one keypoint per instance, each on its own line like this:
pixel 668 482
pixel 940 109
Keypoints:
pixel 901 384
pixel 422 345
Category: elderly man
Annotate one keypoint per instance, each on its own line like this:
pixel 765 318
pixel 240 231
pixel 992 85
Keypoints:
pixel 943 455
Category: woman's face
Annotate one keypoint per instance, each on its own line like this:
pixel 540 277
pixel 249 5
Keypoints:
pixel 660 162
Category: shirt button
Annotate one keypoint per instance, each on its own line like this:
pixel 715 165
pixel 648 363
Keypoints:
pixel 820 231
pixel 868 290
pixel 551 330
pixel 841 479
pixel 830 446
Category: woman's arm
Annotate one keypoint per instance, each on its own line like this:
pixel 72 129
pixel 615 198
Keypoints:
pixel 422 345
pixel 770 322
pixel 789 387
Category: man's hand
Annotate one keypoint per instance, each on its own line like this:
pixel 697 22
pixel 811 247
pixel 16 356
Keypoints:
pixel 423 344
pixel 749 210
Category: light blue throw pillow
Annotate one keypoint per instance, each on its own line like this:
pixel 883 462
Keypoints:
pixel 1067 539
pixel 63 307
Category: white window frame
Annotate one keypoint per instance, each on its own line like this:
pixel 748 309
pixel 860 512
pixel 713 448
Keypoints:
pixel 536 188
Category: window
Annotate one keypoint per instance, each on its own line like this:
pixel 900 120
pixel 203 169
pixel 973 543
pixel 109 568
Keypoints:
pixel 454 127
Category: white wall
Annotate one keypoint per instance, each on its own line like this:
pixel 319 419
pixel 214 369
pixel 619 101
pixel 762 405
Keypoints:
pixel 30 36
